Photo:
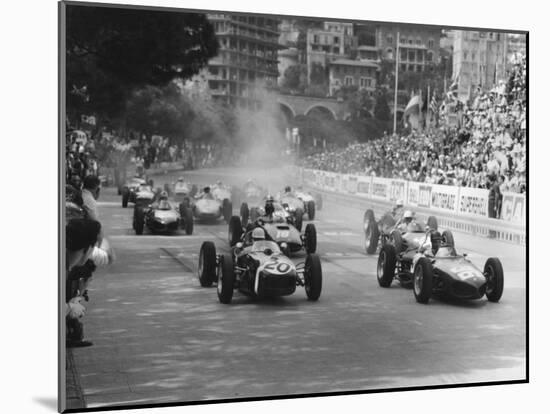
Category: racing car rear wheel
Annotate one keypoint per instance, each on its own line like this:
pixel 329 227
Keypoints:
pixel 397 241
pixel 448 239
pixel 385 270
pixel 245 212
pixel 423 280
pixel 186 219
pixel 227 210
pixel 368 217
pixel 311 209
pixel 313 277
pixel 299 219
pixel 226 279
pixel 125 197
pixel 432 222
pixel 310 238
pixel 495 279
pixel 139 220
pixel 207 264
pixel 235 230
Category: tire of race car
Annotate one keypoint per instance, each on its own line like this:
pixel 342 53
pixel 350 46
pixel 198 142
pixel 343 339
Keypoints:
pixel 385 269
pixel 207 264
pixel 368 217
pixel 235 230
pixel 245 213
pixel 423 280
pixel 372 235
pixel 397 241
pixel 313 277
pixel 432 222
pixel 119 191
pixel 226 279
pixel 139 221
pixel 227 210
pixel 311 210
pixel 299 219
pixel 448 239
pixel 310 238
pixel 187 219
pixel 495 279
pixel 125 197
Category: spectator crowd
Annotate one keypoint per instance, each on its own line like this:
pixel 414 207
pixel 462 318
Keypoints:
pixel 488 148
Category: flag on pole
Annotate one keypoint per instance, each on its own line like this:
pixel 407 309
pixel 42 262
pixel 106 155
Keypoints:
pixel 433 103
pixel 452 94
pixel 413 106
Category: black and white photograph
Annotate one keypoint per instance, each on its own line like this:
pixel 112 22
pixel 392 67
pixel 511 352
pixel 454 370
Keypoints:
pixel 261 206
pixel 303 207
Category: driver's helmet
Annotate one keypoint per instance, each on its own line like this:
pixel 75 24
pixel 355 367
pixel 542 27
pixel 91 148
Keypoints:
pixel 258 234
pixel 164 205
pixel 399 203
pixel 408 216
pixel 288 189
pixel 206 190
pixel 180 180
pixel 163 196
pixel 269 208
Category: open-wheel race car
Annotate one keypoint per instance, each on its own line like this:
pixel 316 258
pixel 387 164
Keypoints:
pixel 207 207
pixel 132 187
pixel 160 216
pixel 250 213
pixel 278 230
pixel 259 269
pixel 380 232
pixel 296 206
pixel 428 261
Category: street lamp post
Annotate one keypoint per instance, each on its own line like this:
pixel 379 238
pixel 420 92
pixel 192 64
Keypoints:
pixel 395 92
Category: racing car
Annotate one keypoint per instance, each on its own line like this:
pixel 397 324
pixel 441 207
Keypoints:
pixel 131 188
pixel 296 206
pixel 278 230
pixel 181 190
pixel 207 207
pixel 251 212
pixel 259 269
pixel 308 197
pixel 428 261
pixel 161 217
pixel 381 232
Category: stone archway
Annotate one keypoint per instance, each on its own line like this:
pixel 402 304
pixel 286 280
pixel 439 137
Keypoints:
pixel 320 111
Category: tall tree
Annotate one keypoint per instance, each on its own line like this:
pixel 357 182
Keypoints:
pixel 113 51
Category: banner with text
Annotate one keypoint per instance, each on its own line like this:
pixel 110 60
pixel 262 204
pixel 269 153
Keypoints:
pixel 513 207
pixel 473 201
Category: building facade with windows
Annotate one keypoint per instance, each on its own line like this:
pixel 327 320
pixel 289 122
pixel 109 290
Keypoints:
pixel 352 73
pixel 334 41
pixel 479 59
pixel 247 59
pixel 418 46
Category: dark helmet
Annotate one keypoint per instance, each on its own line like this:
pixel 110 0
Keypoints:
pixel 206 189
pixel 163 195
pixel 288 189
pixel 269 209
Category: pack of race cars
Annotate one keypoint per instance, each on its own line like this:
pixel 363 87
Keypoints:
pixel 267 233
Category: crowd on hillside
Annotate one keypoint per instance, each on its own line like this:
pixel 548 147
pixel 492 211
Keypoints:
pixel 489 146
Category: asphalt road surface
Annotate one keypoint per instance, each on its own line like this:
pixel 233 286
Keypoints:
pixel 159 337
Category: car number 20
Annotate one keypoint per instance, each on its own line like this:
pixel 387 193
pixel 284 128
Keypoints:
pixel 277 267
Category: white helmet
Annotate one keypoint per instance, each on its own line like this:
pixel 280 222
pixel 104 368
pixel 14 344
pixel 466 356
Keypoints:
pixel 399 203
pixel 408 215
pixel 258 234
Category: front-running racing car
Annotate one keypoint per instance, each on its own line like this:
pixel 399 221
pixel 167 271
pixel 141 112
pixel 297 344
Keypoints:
pixel 431 264
pixel 259 269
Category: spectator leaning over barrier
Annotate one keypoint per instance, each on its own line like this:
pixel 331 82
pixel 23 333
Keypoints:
pixel 90 193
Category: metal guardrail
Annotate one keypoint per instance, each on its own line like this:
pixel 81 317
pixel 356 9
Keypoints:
pixel 484 227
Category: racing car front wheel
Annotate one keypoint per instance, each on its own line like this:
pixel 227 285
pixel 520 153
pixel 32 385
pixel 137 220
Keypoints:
pixel 448 239
pixel 385 270
pixel 139 221
pixel 495 279
pixel 313 277
pixel 235 230
pixel 226 279
pixel 311 210
pixel 310 238
pixel 227 210
pixel 186 219
pixel 299 219
pixel 245 212
pixel 125 197
pixel 398 241
pixel 207 264
pixel 423 280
